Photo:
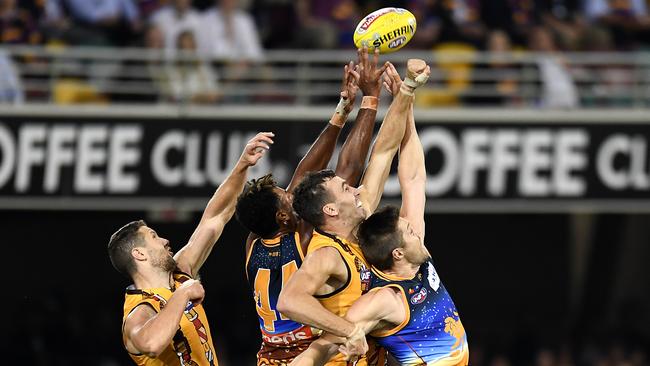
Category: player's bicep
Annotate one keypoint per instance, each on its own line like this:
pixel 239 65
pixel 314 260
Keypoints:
pixel 314 272
pixel 373 308
pixel 135 321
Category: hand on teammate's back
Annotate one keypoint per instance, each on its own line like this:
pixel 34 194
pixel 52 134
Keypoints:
pixel 194 290
pixel 369 74
pixel 256 148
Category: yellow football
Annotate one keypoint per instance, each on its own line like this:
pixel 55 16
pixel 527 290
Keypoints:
pixel 387 29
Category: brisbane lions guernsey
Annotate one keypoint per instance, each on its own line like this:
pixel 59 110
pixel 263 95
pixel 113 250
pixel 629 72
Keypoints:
pixel 431 333
pixel 269 265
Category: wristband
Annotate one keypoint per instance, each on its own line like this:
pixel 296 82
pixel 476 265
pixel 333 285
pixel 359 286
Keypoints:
pixel 338 120
pixel 369 102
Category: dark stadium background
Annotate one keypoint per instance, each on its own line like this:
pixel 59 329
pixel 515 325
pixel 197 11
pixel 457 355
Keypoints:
pixel 508 275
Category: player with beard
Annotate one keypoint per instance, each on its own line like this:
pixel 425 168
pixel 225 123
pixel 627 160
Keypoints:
pixel 164 321
pixel 275 249
pixel 335 273
pixel 408 311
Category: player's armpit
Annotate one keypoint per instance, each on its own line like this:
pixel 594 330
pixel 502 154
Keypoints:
pixel 297 299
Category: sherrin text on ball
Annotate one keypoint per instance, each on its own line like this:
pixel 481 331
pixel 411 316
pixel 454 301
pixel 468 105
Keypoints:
pixel 387 29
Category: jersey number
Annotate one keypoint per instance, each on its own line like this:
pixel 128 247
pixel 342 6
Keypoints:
pixel 262 300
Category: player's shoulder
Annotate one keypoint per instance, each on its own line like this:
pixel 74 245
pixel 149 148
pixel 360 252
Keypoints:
pixel 385 294
pixel 326 259
pixel 319 241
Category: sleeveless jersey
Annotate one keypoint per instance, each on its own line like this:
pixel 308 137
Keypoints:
pixel 192 343
pixel 431 333
pixel 339 301
pixel 269 265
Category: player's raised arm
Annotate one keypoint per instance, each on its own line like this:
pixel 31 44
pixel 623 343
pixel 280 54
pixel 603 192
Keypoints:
pixel 390 136
pixel 147 332
pixel 221 207
pixel 355 149
pixel 412 175
pixel 411 170
pixel 321 150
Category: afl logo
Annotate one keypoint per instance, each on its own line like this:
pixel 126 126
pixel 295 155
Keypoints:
pixel 419 297
pixel 397 42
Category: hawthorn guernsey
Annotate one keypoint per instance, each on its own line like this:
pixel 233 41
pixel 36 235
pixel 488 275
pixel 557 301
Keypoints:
pixel 387 29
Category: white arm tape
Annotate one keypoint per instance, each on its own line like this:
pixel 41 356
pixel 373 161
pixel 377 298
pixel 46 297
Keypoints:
pixel 419 80
pixel 341 106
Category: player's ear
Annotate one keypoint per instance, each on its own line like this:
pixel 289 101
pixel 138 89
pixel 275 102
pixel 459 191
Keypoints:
pixel 398 253
pixel 138 254
pixel 330 209
pixel 281 217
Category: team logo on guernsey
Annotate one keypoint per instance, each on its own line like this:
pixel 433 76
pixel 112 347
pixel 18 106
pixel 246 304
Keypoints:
pixel 364 275
pixel 419 296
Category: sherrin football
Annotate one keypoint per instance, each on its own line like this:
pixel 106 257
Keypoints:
pixel 388 29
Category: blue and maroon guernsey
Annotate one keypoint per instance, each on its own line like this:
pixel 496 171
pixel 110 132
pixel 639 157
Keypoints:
pixel 432 333
pixel 269 265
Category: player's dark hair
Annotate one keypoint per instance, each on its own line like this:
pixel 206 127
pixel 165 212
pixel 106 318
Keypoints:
pixel 310 196
pixel 257 206
pixel 379 235
pixel 121 244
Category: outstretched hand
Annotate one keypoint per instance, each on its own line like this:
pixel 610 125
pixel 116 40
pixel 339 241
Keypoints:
pixel 256 148
pixel 349 86
pixel 392 80
pixel 369 74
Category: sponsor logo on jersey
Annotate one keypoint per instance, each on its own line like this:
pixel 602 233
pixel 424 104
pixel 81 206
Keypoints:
pixel 301 333
pixel 419 297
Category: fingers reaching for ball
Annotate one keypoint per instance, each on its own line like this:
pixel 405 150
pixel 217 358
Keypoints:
pixel 256 148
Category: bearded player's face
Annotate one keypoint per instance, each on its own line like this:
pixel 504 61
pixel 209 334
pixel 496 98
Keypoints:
pixel 158 250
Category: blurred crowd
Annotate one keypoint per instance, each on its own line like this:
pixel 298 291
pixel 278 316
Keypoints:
pixel 241 29
pixel 237 32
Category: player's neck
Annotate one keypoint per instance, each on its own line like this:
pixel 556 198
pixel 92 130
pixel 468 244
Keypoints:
pixel 403 270
pixel 342 231
pixel 343 228
pixel 152 279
